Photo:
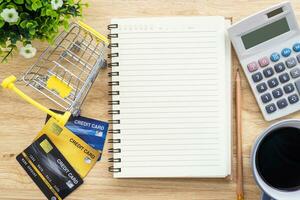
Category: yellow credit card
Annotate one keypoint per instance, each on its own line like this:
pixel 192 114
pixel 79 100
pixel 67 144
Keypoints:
pixel 79 154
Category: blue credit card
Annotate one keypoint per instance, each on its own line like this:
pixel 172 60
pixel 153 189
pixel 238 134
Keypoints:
pixel 92 131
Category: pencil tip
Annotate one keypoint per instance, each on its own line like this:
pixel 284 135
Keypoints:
pixel 240 197
pixel 237 73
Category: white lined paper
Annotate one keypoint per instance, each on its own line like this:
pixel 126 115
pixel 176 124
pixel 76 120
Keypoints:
pixel 174 97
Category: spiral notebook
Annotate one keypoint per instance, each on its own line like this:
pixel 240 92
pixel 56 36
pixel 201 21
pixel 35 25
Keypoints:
pixel 171 97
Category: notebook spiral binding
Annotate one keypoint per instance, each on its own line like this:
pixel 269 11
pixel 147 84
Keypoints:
pixel 112 112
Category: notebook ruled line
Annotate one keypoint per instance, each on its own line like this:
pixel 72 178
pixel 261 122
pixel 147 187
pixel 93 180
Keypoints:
pixel 168 36
pixel 175 149
pixel 182 79
pixel 166 32
pixel 178 128
pixel 167 144
pixel 175 64
pixel 167 53
pixel 179 134
pixel 164 48
pixel 175 101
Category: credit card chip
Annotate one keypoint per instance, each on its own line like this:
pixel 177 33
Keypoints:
pixel 46 146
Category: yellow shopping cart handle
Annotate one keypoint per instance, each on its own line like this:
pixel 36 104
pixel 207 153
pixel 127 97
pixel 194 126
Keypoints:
pixel 94 32
pixel 8 83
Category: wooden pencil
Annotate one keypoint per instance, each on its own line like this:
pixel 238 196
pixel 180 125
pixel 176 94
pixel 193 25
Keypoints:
pixel 240 187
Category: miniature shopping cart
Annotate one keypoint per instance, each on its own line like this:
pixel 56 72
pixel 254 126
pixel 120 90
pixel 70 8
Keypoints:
pixel 65 71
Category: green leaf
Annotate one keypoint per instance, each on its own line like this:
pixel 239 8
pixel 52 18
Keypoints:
pixel 35 23
pixel 19 1
pixel 2 6
pixel 29 24
pixel 20 9
pixel 23 24
pixel 1 23
pixel 28 7
pixel 14 37
pixel 66 24
pixel 11 5
pixel 24 15
pixel 32 31
pixel 36 5
pixel 48 12
pixel 43 12
pixel 63 10
pixel 39 4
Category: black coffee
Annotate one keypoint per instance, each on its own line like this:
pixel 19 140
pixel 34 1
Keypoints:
pixel 278 159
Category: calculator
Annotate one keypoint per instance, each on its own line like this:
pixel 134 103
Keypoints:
pixel 268 47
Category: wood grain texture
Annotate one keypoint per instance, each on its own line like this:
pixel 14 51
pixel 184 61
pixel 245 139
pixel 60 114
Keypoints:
pixel 20 122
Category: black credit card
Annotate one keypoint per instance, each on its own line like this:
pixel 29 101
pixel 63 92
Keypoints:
pixel 48 168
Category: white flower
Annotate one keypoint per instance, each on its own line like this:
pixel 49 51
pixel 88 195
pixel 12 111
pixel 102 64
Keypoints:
pixel 56 4
pixel 28 51
pixel 10 15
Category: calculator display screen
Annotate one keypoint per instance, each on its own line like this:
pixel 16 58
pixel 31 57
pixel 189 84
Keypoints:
pixel 265 33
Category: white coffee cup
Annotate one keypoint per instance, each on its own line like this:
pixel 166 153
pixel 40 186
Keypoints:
pixel 271 193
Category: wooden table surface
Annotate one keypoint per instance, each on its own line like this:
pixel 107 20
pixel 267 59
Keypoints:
pixel 20 122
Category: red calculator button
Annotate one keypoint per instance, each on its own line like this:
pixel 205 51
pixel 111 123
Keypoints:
pixel 252 66
pixel 263 61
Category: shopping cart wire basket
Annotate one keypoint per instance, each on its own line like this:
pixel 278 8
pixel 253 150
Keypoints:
pixel 65 71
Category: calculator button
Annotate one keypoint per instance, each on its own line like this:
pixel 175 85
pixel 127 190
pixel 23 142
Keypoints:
pixel 291 62
pixel 297 83
pixel 293 99
pixel 277 93
pixel 257 77
pixel 268 72
pixel 289 88
pixel 279 67
pixel 298 58
pixel 252 66
pixel 266 97
pixel 282 103
pixel 296 47
pixel 261 87
pixel 286 52
pixel 263 61
pixel 284 77
pixel 271 108
pixel 273 82
pixel 295 73
pixel 275 57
